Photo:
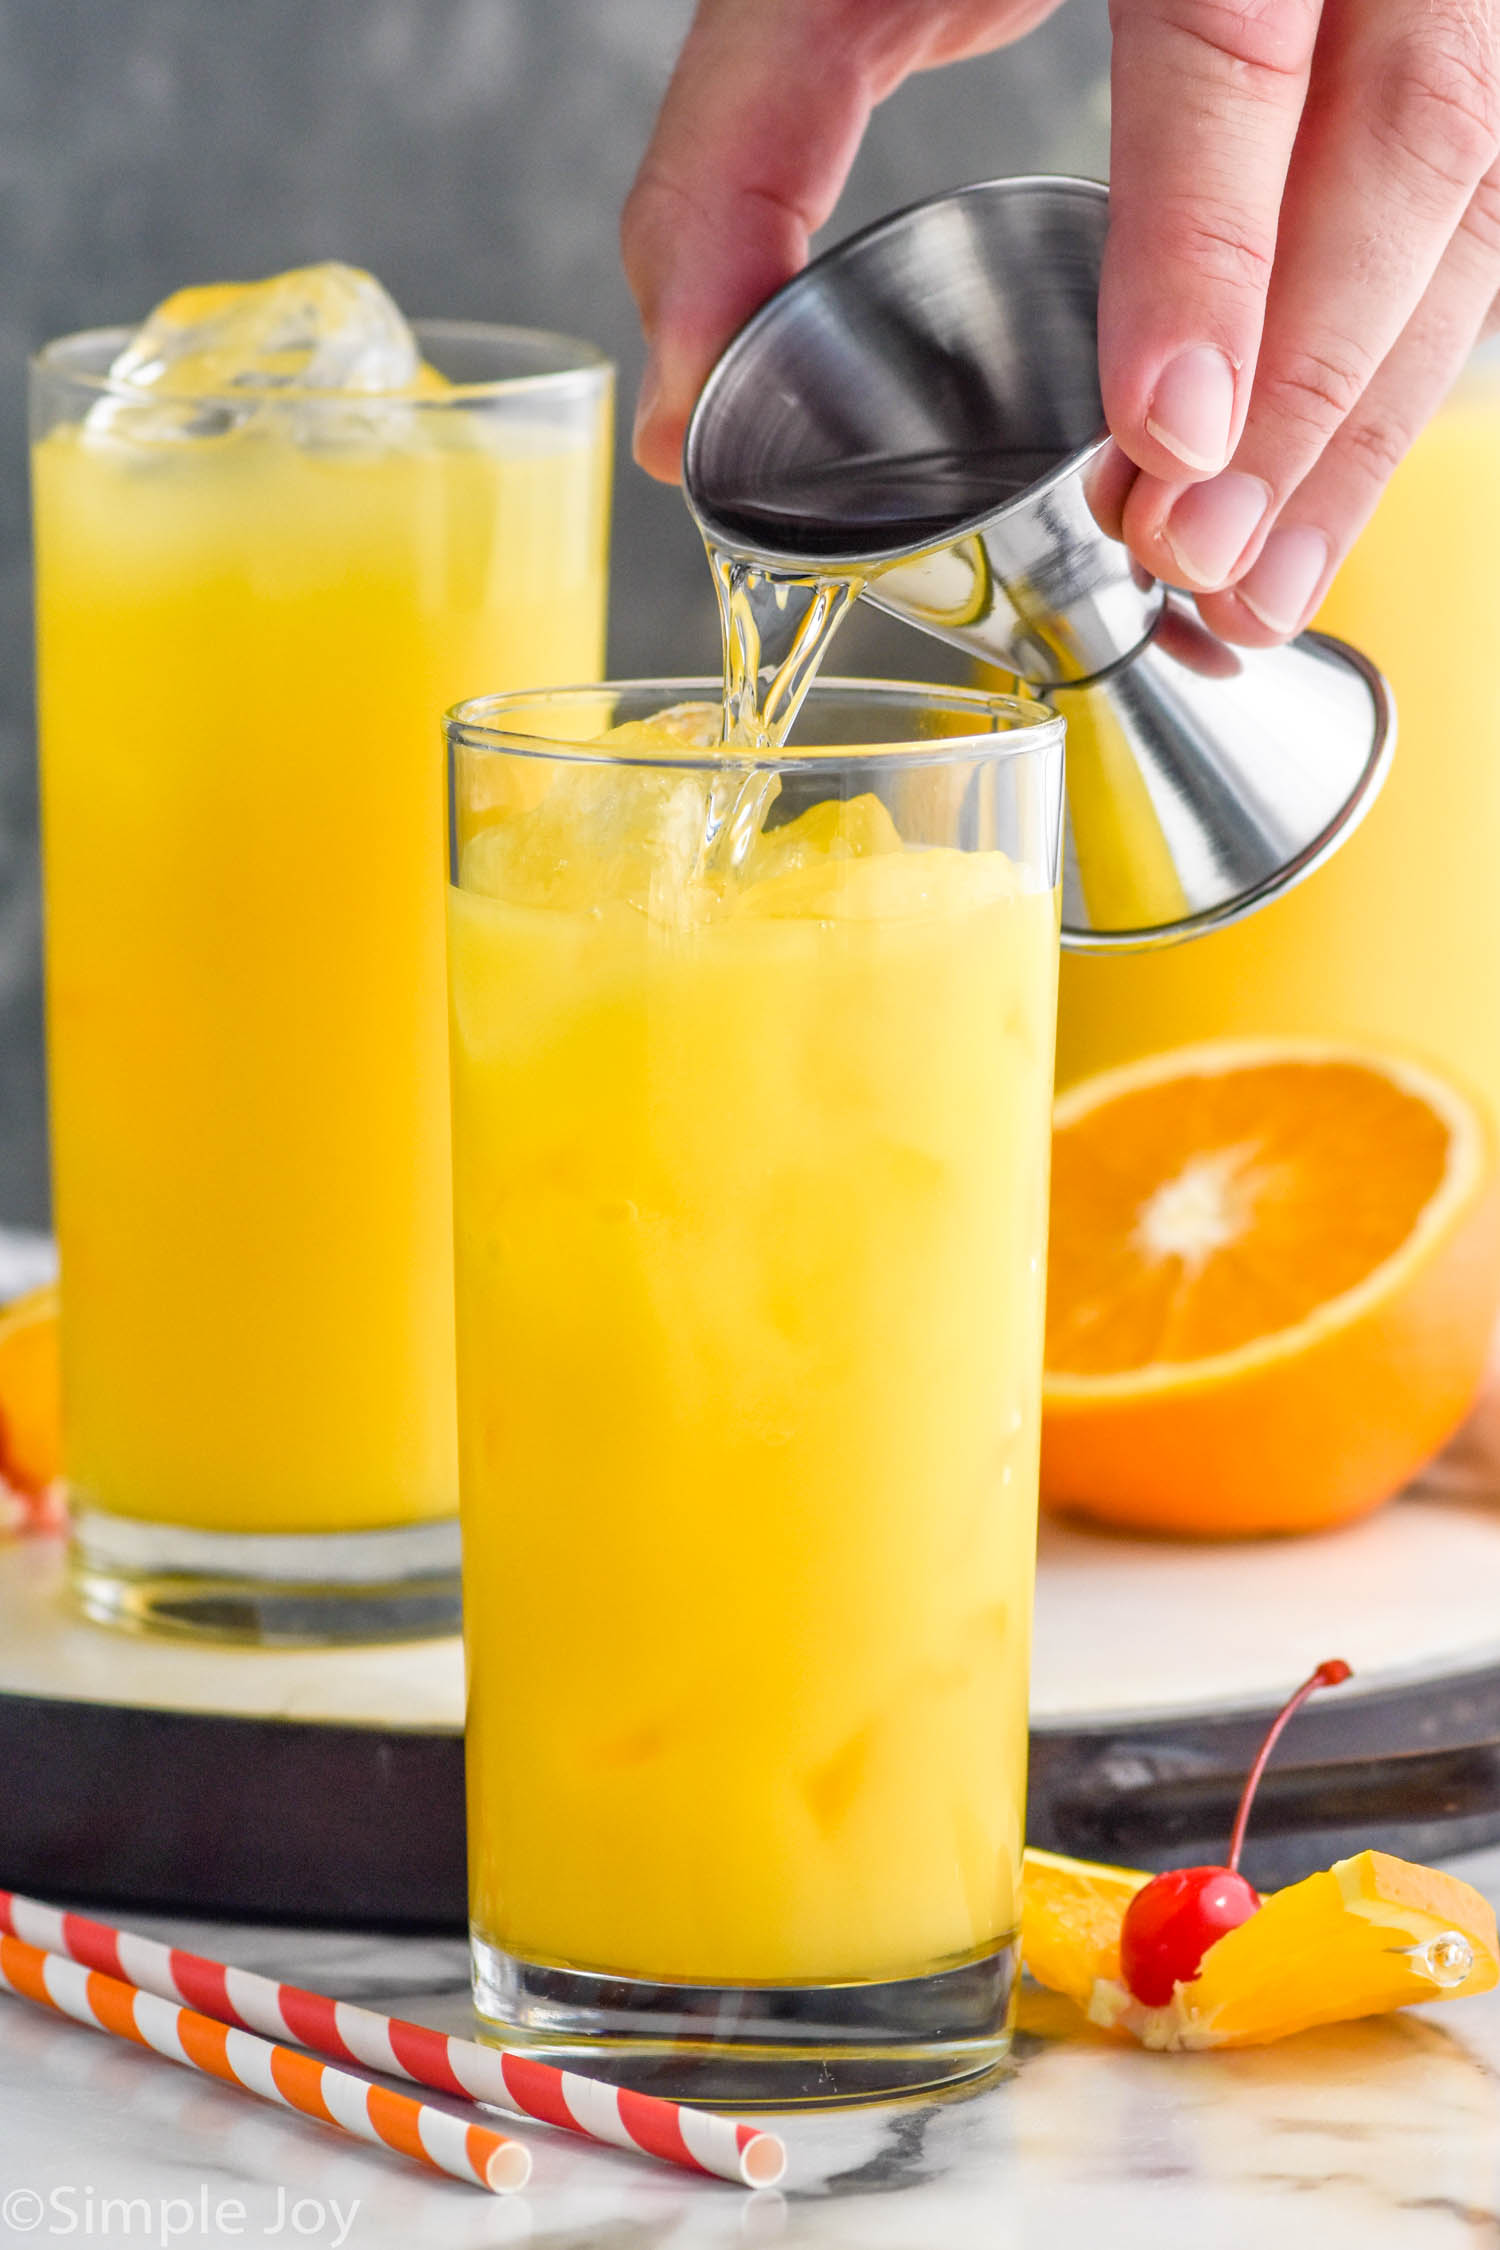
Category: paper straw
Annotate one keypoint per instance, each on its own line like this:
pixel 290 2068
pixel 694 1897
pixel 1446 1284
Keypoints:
pixel 692 2138
pixel 276 2074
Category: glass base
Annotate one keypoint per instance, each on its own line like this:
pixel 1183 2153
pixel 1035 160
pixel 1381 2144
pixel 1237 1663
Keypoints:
pixel 268 1589
pixel 748 2046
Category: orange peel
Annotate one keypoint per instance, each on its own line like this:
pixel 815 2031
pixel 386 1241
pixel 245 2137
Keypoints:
pixel 1362 1937
pixel 1273 1276
pixel 30 1401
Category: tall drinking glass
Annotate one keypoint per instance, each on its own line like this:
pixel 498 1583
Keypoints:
pixel 249 610
pixel 752 1068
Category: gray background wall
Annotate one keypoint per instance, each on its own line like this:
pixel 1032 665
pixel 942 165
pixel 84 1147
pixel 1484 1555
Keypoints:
pixel 474 154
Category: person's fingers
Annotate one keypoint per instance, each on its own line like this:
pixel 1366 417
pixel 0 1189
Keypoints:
pixel 1402 124
pixel 1319 523
pixel 1107 487
pixel 755 139
pixel 756 136
pixel 1207 99
pixel 752 146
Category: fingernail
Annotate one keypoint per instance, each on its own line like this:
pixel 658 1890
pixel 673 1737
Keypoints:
pixel 1192 408
pixel 1212 524
pixel 1287 574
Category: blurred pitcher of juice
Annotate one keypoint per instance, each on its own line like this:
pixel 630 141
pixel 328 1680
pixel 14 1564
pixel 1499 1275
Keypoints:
pixel 1397 939
pixel 752 1068
pixel 275 538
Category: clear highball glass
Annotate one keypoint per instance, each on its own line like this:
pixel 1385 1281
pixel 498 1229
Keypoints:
pixel 251 609
pixel 752 1066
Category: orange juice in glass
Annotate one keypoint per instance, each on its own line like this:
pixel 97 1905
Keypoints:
pixel 255 597
pixel 752 1059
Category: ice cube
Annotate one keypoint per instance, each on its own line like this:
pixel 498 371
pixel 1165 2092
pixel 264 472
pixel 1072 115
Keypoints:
pixel 631 835
pixel 319 328
pixel 885 886
pixel 209 360
pixel 645 831
pixel 838 828
pixel 680 726
pixel 739 795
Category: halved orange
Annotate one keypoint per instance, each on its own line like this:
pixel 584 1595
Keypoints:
pixel 30 1392
pixel 1369 1934
pixel 1274 1270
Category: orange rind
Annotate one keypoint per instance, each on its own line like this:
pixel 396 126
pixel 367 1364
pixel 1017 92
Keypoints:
pixel 1367 1935
pixel 30 1400
pixel 1273 1276
pixel 1071 1912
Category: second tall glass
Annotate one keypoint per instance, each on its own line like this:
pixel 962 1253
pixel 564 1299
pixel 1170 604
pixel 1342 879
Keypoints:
pixel 250 610
pixel 752 1067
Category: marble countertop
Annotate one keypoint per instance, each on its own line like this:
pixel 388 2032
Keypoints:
pixel 1378 2136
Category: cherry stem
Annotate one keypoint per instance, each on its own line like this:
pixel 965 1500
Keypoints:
pixel 1331 1674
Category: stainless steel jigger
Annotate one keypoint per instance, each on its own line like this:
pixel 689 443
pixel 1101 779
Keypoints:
pixel 922 405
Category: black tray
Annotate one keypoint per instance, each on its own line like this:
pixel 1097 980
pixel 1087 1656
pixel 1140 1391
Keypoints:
pixel 246 1814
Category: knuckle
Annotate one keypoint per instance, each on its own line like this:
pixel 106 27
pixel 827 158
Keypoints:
pixel 1247 35
pixel 663 211
pixel 1482 219
pixel 1377 442
pixel 1316 389
pixel 641 218
pixel 1436 100
pixel 1218 243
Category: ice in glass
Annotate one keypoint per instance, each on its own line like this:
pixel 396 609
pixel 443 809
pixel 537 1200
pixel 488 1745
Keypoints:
pixel 751 1072
pixel 273 544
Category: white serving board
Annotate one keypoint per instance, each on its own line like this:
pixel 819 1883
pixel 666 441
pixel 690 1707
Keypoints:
pixel 45 1650
pixel 1125 1629
pixel 1136 1628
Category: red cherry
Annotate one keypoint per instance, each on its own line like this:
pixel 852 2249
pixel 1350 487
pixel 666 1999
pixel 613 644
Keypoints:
pixel 1171 1924
pixel 1173 1920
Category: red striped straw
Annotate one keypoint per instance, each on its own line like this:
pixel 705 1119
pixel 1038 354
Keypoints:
pixel 692 2138
pixel 276 2074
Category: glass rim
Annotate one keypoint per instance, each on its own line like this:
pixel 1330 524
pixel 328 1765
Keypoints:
pixel 579 363
pixel 1037 726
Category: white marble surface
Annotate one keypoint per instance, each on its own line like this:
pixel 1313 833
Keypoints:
pixel 1381 2136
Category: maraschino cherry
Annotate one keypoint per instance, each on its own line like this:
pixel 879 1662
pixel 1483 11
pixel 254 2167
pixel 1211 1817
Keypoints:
pixel 1174 1919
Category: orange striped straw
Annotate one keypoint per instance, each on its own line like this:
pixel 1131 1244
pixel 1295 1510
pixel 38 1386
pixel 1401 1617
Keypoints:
pixel 694 2139
pixel 276 2074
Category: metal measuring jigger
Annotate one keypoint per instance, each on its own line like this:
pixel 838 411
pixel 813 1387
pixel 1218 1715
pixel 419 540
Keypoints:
pixel 920 409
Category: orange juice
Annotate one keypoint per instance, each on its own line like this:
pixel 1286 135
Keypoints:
pixel 246 643
pixel 750 1188
pixel 1397 938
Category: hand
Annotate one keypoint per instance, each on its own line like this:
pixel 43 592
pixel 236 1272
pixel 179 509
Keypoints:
pixel 1304 245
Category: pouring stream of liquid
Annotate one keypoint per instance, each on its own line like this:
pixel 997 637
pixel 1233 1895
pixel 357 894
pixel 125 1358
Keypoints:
pixel 776 629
